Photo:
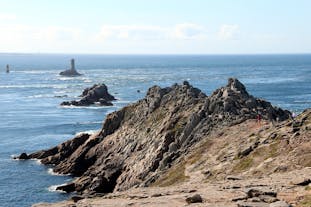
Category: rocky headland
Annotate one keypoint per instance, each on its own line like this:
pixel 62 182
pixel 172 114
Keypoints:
pixel 97 94
pixel 178 146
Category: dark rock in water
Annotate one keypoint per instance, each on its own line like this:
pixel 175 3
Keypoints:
pixel 22 156
pixel 194 199
pixel 66 187
pixel 70 72
pixel 97 94
pixel 61 96
pixel 140 142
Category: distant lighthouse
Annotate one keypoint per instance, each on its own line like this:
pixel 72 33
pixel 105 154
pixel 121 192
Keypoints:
pixel 7 68
pixel 73 64
pixel 72 71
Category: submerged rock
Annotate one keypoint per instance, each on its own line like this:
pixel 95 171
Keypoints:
pixel 72 71
pixel 97 94
pixel 140 142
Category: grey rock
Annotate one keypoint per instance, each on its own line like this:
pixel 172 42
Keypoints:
pixel 97 94
pixel 252 204
pixel 256 192
pixel 280 204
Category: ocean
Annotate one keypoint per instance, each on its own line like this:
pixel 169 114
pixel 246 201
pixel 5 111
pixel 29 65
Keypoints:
pixel 31 118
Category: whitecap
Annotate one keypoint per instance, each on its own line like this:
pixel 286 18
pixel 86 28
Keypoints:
pixel 35 71
pixel 37 161
pixel 90 122
pixel 40 96
pixel 52 188
pixel 35 86
pixel 85 107
pixel 51 172
pixel 91 132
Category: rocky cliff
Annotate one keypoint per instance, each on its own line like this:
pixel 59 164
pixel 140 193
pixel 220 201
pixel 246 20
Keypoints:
pixel 139 144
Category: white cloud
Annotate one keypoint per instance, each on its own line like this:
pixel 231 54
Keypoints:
pixel 189 31
pixel 228 32
pixel 53 33
pixel 135 32
pixel 23 38
pixel 151 32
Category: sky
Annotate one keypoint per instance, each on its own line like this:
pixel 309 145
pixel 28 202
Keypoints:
pixel 155 26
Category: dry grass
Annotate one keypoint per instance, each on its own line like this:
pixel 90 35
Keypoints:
pixel 305 202
pixel 244 164
pixel 173 176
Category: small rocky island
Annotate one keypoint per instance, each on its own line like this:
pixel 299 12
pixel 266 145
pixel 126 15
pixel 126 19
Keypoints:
pixel 187 147
pixel 72 71
pixel 97 94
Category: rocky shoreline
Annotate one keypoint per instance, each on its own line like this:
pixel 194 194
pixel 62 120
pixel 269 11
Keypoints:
pixel 179 136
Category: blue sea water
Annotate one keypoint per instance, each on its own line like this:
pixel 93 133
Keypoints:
pixel 31 118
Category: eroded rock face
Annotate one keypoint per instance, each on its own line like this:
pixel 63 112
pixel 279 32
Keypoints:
pixel 97 94
pixel 138 143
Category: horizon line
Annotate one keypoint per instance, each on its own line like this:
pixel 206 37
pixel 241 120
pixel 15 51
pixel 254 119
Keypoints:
pixel 150 54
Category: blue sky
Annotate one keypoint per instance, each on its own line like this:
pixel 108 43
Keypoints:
pixel 155 27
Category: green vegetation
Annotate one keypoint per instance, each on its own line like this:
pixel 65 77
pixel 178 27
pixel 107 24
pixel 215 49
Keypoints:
pixel 267 152
pixel 173 176
pixel 243 164
pixel 199 151
pixel 305 202
pixel 176 174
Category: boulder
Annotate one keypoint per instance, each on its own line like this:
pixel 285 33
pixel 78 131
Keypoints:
pixel 97 94
pixel 194 199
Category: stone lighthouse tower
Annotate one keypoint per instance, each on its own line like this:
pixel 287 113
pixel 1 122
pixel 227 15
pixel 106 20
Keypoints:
pixel 72 71
pixel 73 64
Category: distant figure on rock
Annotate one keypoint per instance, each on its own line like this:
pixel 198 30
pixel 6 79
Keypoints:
pixel 72 71
pixel 7 68
pixel 258 119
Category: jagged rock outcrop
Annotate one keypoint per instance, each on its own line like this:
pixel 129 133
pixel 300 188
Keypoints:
pixel 72 71
pixel 140 142
pixel 97 94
